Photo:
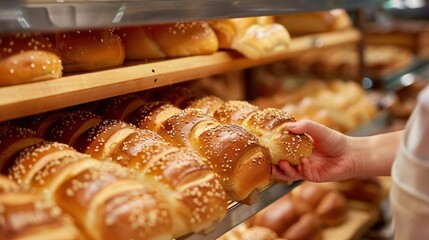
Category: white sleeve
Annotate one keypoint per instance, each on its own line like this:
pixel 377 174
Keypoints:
pixel 417 139
pixel 409 195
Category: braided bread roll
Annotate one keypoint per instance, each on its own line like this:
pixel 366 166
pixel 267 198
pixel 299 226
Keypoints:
pixel 269 125
pixel 233 153
pixel 191 128
pixel 103 199
pixel 27 215
pixel 194 194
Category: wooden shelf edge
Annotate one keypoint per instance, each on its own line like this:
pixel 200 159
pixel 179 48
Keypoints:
pixel 26 99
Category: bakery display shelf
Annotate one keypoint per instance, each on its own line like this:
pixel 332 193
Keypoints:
pixel 407 76
pixel 238 213
pixel 51 15
pixel 26 99
pixel 382 120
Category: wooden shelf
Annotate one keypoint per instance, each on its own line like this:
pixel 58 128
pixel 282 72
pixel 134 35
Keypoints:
pixel 26 99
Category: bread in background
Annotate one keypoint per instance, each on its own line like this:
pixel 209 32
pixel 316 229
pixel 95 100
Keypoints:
pixel 27 57
pixel 315 22
pixel 89 49
pixel 254 37
pixel 168 40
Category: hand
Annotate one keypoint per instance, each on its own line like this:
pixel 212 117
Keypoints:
pixel 332 157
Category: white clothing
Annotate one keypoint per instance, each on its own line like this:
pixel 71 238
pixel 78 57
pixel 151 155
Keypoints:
pixel 409 195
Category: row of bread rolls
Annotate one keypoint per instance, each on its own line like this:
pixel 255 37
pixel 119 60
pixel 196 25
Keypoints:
pixel 341 105
pixel 343 61
pixel 196 197
pixel 269 125
pixel 33 57
pixel 104 199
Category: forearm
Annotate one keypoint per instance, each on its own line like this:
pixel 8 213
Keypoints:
pixel 374 155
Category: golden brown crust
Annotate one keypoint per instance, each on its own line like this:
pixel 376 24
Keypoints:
pixel 139 44
pixel 233 153
pixel 315 22
pixel 278 216
pixel 70 126
pixel 40 122
pixel 169 40
pixel 104 138
pixel 308 227
pixel 38 217
pixel 27 58
pixel 121 107
pixel 89 50
pixel 332 209
pixel 13 140
pixel 185 39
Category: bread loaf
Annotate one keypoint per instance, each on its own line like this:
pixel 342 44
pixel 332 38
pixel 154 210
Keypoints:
pixel 194 194
pixel 27 58
pixel 89 50
pixel 13 140
pixel 308 227
pixel 28 215
pixel 103 199
pixel 168 40
pixel 268 125
pixel 254 37
pixel 315 22
pixel 245 232
pixel 233 153
pixel 278 216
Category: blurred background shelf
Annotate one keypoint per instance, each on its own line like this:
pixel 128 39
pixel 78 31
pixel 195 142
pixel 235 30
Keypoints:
pixel 50 15
pixel 138 76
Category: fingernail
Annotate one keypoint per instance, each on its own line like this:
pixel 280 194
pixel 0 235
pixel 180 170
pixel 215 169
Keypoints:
pixel 292 125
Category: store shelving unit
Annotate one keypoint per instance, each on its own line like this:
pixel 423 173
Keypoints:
pixel 137 76
pixel 53 15
pixel 48 15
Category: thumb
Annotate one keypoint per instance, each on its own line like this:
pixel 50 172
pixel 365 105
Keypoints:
pixel 317 131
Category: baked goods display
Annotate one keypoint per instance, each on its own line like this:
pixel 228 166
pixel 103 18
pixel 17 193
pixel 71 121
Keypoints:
pixel 315 22
pixel 343 61
pixel 105 201
pixel 340 105
pixel 184 180
pixel 227 147
pixel 27 57
pixel 28 215
pixel 412 35
pixel 268 125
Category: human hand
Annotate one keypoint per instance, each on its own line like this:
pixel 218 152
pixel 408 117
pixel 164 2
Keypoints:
pixel 332 157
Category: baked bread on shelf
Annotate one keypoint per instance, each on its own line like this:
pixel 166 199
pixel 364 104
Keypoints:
pixel 27 57
pixel 268 125
pixel 315 22
pixel 105 201
pixel 168 40
pixel 254 37
pixel 195 197
pixel 89 49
